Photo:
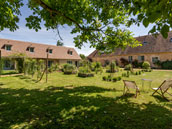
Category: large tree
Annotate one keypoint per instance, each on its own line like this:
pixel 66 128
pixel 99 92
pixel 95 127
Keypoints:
pixel 94 21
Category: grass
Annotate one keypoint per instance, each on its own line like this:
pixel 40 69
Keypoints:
pixel 68 101
pixel 9 72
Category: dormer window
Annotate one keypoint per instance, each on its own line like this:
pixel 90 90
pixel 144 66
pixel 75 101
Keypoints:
pixel 70 52
pixel 50 51
pixel 31 49
pixel 145 42
pixel 170 39
pixel 8 47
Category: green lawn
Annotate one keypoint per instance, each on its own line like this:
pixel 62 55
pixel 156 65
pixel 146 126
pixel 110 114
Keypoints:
pixel 68 101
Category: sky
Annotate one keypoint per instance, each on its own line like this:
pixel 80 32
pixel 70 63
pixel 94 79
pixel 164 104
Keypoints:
pixel 51 36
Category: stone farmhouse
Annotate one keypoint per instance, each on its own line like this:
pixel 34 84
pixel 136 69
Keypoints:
pixel 152 49
pixel 56 54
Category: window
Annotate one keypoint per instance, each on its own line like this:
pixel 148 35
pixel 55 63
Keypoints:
pixel 154 59
pixel 70 52
pixel 69 62
pixel 141 58
pixel 8 65
pixel 145 42
pixel 8 47
pixel 50 63
pixel 31 49
pixel 50 51
pixel 170 39
pixel 130 59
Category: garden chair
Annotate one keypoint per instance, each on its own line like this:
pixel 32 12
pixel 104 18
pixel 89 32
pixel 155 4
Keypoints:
pixel 130 85
pixel 163 88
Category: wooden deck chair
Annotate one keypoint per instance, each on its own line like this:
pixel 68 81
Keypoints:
pixel 132 85
pixel 163 88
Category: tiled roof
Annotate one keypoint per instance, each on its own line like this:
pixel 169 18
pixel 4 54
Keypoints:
pixel 59 52
pixel 154 45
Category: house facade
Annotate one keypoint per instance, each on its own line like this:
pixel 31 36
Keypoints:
pixel 152 49
pixel 56 54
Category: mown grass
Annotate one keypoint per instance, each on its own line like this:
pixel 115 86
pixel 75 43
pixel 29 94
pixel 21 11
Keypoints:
pixel 68 101
pixel 9 72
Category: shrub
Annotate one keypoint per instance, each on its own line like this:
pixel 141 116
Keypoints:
pixel 40 68
pixel 109 78
pixel 69 69
pixel 140 72
pixel 97 67
pixel 84 70
pixel 128 74
pixel 137 64
pixel 119 78
pixel 166 64
pixel 125 74
pixel 32 67
pixel 104 78
pixel 146 65
pixel 124 61
pixel 92 66
pixel 1 65
pixel 112 68
pixel 85 75
pixel 84 63
pixel 107 62
pixel 115 79
pixel 128 67
pixel 53 67
pixel 20 64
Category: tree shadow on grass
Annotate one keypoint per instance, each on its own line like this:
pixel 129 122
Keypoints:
pixel 160 98
pixel 26 78
pixel 77 107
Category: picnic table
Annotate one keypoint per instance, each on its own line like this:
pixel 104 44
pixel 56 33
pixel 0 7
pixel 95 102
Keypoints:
pixel 143 83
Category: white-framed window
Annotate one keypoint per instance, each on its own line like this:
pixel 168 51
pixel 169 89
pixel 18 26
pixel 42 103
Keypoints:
pixel 155 59
pixel 70 52
pixel 130 59
pixel 31 49
pixel 69 62
pixel 8 47
pixel 141 58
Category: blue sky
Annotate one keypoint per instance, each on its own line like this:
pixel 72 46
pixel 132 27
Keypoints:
pixel 51 37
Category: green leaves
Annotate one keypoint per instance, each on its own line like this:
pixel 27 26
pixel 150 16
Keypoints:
pixel 145 22
pixel 152 12
pixel 9 14
pixel 93 21
pixel 165 30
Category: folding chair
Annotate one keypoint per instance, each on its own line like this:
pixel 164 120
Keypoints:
pixel 132 85
pixel 164 87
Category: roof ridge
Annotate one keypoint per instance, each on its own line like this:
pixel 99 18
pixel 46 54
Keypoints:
pixel 34 43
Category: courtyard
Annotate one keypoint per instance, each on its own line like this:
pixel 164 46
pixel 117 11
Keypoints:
pixel 68 101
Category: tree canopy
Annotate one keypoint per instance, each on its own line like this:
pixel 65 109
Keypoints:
pixel 94 21
pixel 59 43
